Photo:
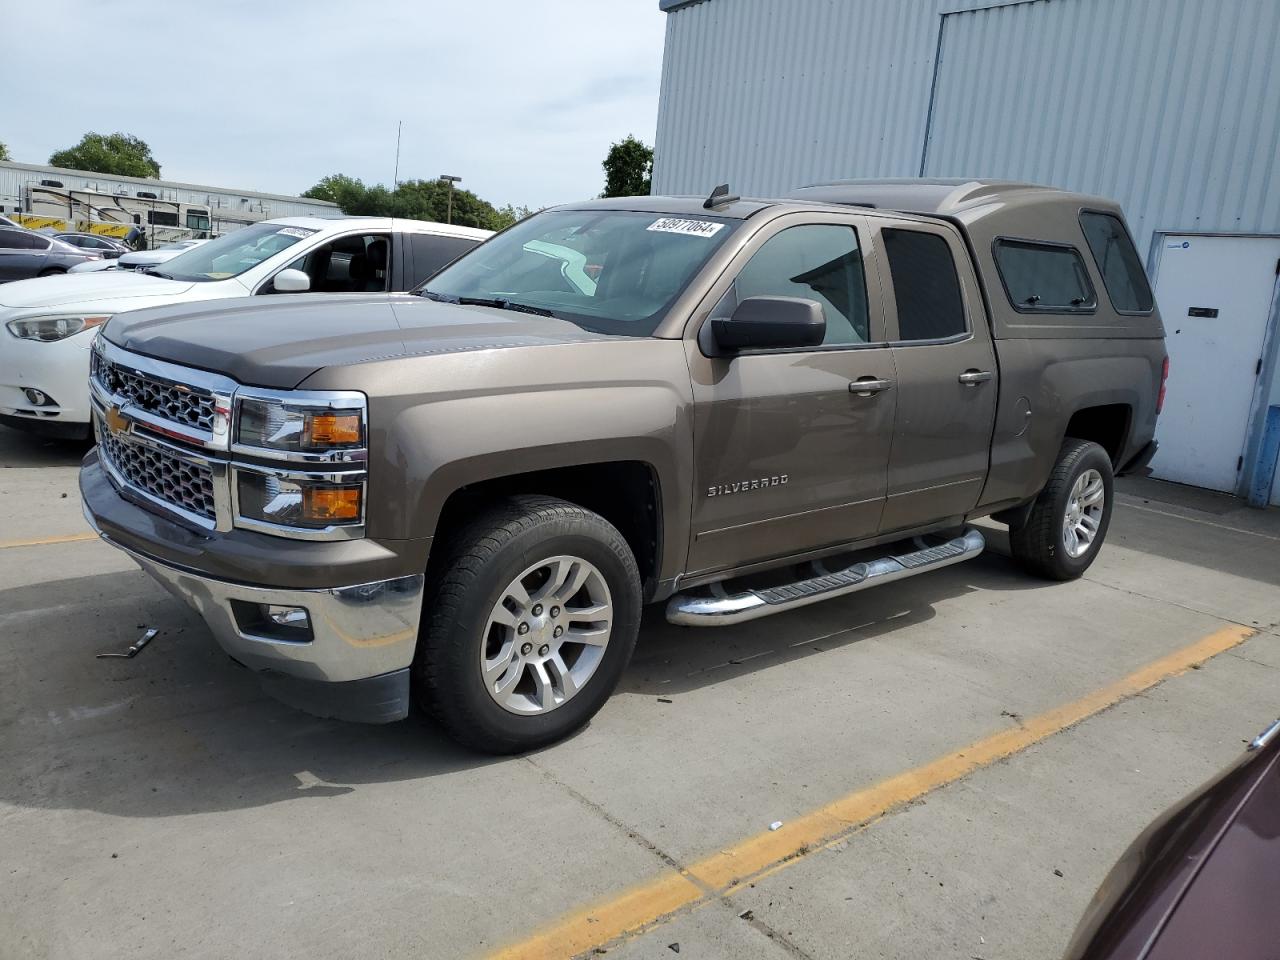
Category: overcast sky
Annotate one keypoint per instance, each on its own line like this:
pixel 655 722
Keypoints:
pixel 520 98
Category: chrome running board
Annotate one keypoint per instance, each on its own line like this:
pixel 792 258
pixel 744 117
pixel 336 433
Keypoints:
pixel 722 609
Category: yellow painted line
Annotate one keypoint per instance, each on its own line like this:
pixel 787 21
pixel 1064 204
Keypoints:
pixel 723 873
pixel 41 541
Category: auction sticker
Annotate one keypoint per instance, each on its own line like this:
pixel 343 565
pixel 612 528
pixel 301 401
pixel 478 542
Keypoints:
pixel 299 233
pixel 690 228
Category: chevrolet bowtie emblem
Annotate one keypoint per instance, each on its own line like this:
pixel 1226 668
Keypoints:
pixel 117 422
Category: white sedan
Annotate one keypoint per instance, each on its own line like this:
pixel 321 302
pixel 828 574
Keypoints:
pixel 138 259
pixel 47 324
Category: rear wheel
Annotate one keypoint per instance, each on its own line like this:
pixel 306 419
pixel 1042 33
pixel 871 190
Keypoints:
pixel 50 271
pixel 1063 532
pixel 534 614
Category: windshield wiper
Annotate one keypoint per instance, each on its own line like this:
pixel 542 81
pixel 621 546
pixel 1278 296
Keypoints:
pixel 503 304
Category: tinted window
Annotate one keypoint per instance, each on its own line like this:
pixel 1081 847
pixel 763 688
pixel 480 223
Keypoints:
pixel 162 218
pixel 925 285
pixel 821 262
pixel 430 253
pixel 22 240
pixel 1044 277
pixel 1117 261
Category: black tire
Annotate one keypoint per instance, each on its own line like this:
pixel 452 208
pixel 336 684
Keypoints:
pixel 1039 544
pixel 50 272
pixel 479 563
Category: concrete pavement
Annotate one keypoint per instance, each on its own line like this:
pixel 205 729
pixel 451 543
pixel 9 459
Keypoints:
pixel 163 807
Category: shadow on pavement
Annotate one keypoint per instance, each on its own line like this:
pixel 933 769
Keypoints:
pixel 21 449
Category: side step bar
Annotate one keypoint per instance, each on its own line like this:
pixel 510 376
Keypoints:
pixel 723 609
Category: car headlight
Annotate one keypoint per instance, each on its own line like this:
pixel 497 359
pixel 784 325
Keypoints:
pixel 300 502
pixel 49 329
pixel 335 425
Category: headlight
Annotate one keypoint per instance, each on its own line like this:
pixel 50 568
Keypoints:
pixel 49 329
pixel 300 502
pixel 336 424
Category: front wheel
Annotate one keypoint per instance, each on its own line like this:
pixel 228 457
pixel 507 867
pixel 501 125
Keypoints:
pixel 534 613
pixel 1068 522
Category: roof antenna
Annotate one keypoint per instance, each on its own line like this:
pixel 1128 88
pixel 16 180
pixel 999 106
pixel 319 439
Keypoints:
pixel 719 196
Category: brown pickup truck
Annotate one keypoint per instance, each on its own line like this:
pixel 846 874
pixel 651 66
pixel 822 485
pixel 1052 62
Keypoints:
pixel 734 407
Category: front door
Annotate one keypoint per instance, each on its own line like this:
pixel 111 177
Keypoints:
pixel 946 376
pixel 789 458
pixel 1215 295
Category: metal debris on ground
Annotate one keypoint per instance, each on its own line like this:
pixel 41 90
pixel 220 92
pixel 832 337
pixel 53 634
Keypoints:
pixel 747 915
pixel 132 652
pixel 776 825
pixel 673 947
pixel 1057 872
pixel 664 699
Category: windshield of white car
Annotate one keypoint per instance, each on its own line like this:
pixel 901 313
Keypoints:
pixel 233 253
pixel 608 271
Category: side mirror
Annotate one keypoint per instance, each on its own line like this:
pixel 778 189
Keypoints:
pixel 771 323
pixel 291 281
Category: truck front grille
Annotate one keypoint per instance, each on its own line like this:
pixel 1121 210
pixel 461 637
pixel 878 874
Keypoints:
pixel 163 475
pixel 175 402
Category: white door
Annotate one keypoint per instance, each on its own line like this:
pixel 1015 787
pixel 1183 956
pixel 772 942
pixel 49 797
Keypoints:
pixel 1215 295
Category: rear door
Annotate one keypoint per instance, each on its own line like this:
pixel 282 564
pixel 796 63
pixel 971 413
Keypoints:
pixel 22 254
pixel 946 390
pixel 788 457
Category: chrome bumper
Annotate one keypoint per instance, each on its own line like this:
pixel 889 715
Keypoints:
pixel 356 632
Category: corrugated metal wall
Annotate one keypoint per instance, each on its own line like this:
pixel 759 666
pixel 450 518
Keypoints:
pixel 772 94
pixel 1170 106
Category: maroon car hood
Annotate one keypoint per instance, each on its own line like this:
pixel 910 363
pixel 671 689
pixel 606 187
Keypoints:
pixel 1230 909
pixel 1201 882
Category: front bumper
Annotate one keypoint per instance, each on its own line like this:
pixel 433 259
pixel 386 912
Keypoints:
pixel 350 662
pixel 59 369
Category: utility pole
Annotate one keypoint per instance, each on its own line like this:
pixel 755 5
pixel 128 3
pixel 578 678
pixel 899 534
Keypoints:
pixel 451 181
pixel 395 180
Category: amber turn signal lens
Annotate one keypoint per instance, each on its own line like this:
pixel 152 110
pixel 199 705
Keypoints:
pixel 332 429
pixel 327 504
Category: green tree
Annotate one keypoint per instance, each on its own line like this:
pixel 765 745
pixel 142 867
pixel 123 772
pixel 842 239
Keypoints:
pixel 411 199
pixel 117 153
pixel 4 152
pixel 628 169
pixel 509 215
pixel 340 189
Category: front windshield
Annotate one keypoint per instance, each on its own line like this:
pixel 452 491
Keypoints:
pixel 233 253
pixel 610 271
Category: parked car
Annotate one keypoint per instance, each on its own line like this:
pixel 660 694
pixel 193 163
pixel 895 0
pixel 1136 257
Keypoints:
pixel 466 495
pixel 49 324
pixel 25 253
pixel 1201 881
pixel 140 259
pixel 110 249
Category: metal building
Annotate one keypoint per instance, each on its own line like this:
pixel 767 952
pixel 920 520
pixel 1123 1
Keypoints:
pixel 1171 107
pixel 77 199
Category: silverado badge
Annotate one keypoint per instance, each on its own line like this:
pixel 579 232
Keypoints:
pixel 742 486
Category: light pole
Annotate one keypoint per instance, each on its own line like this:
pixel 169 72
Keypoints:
pixel 451 181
